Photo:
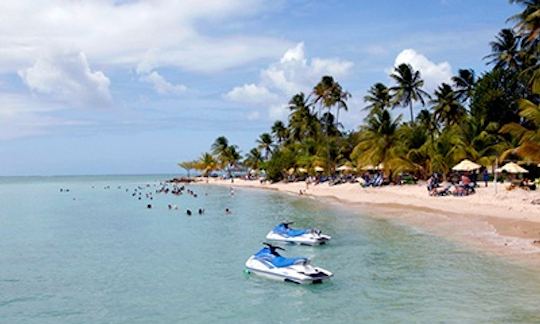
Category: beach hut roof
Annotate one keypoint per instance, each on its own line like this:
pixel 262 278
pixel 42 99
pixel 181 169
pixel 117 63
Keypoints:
pixel 302 170
pixel 318 169
pixel 512 167
pixel 345 168
pixel 291 171
pixel 466 165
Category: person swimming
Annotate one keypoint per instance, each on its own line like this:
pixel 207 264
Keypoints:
pixel 227 211
pixel 188 212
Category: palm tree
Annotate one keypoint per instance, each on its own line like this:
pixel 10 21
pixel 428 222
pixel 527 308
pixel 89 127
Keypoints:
pixel 505 51
pixel 329 93
pixel 226 154
pixel 265 143
pixel 331 127
pixel 233 156
pixel 279 131
pixel 322 92
pixel 527 134
pixel 219 149
pixel 446 106
pixel 408 88
pixel 254 159
pixel 464 83
pixel 528 20
pixel 188 166
pixel 378 140
pixel 302 123
pixel 378 98
pixel 427 121
pixel 206 164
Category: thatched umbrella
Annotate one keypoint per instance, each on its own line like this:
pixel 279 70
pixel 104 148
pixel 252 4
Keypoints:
pixel 512 167
pixel 466 165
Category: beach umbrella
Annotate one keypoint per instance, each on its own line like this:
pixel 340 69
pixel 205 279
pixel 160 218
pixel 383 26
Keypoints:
pixel 302 170
pixel 370 167
pixel 318 169
pixel 512 167
pixel 466 165
pixel 345 168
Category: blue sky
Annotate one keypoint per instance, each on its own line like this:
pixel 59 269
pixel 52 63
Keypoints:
pixel 124 87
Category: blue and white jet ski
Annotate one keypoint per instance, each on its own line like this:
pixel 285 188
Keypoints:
pixel 270 264
pixel 312 236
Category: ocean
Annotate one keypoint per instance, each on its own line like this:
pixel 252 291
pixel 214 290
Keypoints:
pixel 97 254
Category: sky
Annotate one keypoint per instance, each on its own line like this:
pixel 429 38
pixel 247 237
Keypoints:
pixel 133 86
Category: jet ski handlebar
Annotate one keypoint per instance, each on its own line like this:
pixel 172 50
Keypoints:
pixel 273 248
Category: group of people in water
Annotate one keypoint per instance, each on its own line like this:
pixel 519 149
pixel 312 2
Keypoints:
pixel 144 192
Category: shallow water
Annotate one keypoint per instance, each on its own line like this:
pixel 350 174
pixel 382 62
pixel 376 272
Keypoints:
pixel 97 255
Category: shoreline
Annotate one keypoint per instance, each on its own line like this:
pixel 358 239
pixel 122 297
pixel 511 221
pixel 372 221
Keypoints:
pixel 504 224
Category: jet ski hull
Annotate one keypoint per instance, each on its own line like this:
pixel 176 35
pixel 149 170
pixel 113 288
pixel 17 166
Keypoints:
pixel 298 273
pixel 304 239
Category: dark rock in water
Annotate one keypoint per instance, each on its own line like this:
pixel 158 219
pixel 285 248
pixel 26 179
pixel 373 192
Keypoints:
pixel 181 180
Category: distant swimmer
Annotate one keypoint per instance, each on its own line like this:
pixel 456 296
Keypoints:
pixel 188 212
pixel 227 211
pixel 149 206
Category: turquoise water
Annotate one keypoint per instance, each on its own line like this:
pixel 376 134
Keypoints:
pixel 97 255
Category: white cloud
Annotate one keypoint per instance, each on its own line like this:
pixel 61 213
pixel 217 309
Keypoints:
pixel 254 115
pixel 291 74
pixel 68 78
pixel 433 73
pixel 251 94
pixel 21 116
pixel 142 34
pixel 278 112
pixel 161 85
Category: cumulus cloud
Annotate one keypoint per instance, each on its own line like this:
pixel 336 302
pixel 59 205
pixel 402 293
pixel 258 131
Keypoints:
pixel 161 85
pixel 68 78
pixel 433 73
pixel 293 73
pixel 251 94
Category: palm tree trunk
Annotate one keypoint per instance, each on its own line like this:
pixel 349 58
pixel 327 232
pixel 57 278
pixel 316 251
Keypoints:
pixel 337 119
pixel 412 116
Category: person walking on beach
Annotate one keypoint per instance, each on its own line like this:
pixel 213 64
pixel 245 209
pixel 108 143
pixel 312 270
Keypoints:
pixel 485 176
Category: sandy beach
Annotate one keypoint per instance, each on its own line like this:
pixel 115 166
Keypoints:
pixel 504 223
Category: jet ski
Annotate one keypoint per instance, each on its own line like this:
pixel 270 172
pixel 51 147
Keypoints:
pixel 312 236
pixel 270 264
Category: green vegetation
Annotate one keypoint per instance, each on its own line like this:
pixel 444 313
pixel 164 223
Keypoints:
pixel 483 118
